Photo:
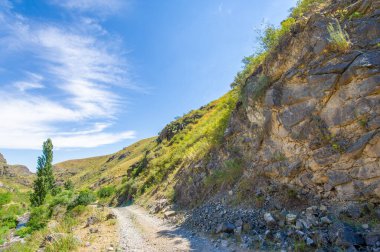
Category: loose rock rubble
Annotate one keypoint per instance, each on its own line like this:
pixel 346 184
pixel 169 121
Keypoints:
pixel 313 228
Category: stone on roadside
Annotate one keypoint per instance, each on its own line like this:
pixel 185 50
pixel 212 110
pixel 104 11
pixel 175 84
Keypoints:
pixel 270 221
pixel 225 228
pixel 309 241
pixel 168 214
pixel 224 243
pixel 325 220
pixel 299 224
pixel 372 238
pixel 91 221
pixel 111 216
pixel 291 218
pixel 323 208
pixel 94 230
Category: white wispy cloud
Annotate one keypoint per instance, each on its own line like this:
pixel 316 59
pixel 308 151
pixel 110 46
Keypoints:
pixel 101 7
pixel 77 71
pixel 91 140
pixel 33 82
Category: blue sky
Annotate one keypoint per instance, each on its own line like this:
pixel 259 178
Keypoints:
pixel 98 75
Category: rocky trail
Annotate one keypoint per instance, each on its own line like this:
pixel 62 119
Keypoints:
pixel 140 231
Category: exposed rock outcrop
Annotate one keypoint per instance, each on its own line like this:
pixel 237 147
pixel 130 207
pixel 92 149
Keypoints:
pixel 18 173
pixel 316 127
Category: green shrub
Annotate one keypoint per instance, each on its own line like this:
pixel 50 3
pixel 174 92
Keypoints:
pixel 250 65
pixel 9 220
pixel 67 243
pixel 355 15
pixel 4 231
pixel 106 192
pixel 64 198
pixel 5 198
pixel 68 185
pixel 339 40
pixel 11 210
pixel 24 231
pixel 70 221
pixel 78 210
pixel 84 198
pixel 56 190
pixel 231 171
pixel 304 6
pixel 39 217
pixel 269 39
pixel 271 36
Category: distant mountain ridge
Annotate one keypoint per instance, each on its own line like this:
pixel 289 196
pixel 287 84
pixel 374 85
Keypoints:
pixel 19 174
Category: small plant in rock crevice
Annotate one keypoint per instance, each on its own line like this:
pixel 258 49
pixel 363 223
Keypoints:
pixel 339 39
pixel 363 122
pixel 279 156
pixel 227 175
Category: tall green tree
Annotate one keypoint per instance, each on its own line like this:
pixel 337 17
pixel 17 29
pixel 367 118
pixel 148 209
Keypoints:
pixel 44 182
pixel 48 164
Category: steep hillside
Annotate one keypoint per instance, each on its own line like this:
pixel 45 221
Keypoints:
pixel 149 167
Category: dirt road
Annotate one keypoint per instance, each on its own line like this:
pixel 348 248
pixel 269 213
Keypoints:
pixel 140 231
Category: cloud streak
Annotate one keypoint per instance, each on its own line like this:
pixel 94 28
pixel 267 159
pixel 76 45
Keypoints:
pixel 72 86
pixel 100 7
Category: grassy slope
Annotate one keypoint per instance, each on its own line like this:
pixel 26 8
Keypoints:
pixel 86 172
pixel 149 168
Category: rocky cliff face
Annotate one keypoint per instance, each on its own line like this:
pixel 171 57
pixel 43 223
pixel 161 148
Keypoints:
pixel 306 135
pixel 317 126
pixel 308 118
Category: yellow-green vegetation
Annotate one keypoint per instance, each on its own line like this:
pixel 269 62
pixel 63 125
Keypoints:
pixel 279 156
pixel 12 205
pixel 269 40
pixel 250 65
pixel 226 176
pixel 65 228
pixel 150 166
pixel 304 6
pixel 188 146
pixel 65 209
pixel 64 244
pixel 102 170
pixel 271 37
pixel 339 40
pixel 355 15
pixel 342 14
